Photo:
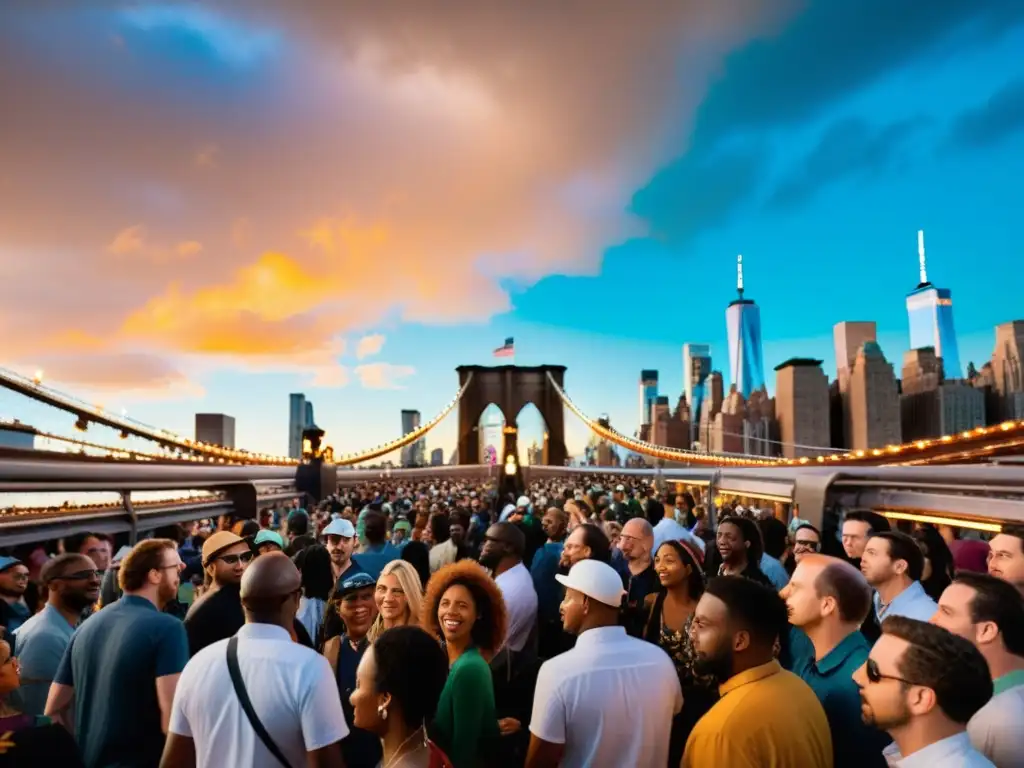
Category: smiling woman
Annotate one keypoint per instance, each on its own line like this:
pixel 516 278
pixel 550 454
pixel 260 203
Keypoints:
pixel 464 608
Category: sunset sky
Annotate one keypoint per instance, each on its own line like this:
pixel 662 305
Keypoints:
pixel 205 207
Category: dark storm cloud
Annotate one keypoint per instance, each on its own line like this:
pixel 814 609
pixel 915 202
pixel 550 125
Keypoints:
pixel 1000 117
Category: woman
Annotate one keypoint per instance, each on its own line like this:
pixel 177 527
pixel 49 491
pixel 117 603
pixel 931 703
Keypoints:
pixel 669 616
pixel 464 609
pixel 399 597
pixel 314 563
pixel 398 684
pixel 938 561
pixel 29 739
pixel 612 530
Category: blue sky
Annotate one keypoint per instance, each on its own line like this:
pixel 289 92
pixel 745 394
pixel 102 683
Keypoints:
pixel 814 141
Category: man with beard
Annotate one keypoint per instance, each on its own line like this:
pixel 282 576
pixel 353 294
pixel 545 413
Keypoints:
pixel 340 540
pixel 735 627
pixel 922 684
pixel 121 668
pixel 502 553
pixel 13 582
pixel 73 582
pixel 628 685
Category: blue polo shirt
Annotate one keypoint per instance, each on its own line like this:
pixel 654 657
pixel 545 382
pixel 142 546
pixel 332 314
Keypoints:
pixel 112 662
pixel 855 745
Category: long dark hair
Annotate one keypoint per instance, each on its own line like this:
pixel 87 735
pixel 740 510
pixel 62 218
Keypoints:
pixel 936 551
pixel 694 587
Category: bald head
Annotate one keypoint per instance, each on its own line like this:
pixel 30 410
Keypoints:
pixel 513 539
pixel 830 577
pixel 270 575
pixel 636 539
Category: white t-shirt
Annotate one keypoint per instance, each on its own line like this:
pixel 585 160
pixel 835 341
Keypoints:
pixel 520 595
pixel 610 701
pixel 997 729
pixel 291 687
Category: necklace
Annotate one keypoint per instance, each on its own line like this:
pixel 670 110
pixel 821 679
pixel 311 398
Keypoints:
pixel 398 752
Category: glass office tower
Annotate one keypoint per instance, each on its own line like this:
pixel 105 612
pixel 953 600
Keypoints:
pixel 696 369
pixel 930 313
pixel 743 325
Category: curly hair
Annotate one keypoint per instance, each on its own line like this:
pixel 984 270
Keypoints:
pixel 488 633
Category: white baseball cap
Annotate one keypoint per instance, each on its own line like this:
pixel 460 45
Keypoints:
pixel 340 527
pixel 596 580
pixel 523 502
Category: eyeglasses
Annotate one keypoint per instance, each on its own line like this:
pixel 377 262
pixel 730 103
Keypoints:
pixel 19 576
pixel 875 675
pixel 806 543
pixel 78 576
pixel 244 557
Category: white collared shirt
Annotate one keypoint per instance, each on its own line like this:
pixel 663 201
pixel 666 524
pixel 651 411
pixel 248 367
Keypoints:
pixel 291 687
pixel 520 595
pixel 952 752
pixel 610 701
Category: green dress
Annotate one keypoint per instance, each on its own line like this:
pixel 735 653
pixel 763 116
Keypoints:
pixel 466 724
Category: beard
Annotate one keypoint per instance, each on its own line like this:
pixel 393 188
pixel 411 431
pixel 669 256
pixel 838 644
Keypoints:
pixel 15 593
pixel 77 601
pixel 718 664
pixel 490 560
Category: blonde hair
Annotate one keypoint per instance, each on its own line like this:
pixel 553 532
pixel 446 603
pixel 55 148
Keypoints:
pixel 409 581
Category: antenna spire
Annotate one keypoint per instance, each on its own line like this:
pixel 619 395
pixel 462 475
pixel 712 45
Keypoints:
pixel 920 256
pixel 739 274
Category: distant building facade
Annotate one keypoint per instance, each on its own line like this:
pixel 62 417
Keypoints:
pixel 874 401
pixel 300 418
pixel 216 429
pixel 743 327
pixel 414 454
pixel 437 457
pixel 802 407
pixel 696 369
pixel 930 314
pixel 648 394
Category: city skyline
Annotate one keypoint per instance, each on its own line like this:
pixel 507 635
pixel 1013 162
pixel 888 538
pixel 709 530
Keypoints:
pixel 214 267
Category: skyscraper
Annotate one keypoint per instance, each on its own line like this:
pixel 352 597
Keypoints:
pixel 648 394
pixel 743 324
pixel 300 418
pixel 696 369
pixel 414 454
pixel 802 407
pixel 216 429
pixel 874 407
pixel 930 311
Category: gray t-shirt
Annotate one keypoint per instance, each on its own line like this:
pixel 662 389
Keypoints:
pixel 39 645
pixel 997 730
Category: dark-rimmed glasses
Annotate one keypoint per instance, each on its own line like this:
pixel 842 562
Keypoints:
pixel 807 544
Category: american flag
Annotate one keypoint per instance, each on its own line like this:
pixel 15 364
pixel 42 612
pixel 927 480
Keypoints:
pixel 508 349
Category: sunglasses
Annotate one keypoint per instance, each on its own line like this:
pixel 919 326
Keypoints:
pixel 244 557
pixel 875 675
pixel 807 544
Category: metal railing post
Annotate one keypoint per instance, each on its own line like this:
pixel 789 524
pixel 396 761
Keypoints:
pixel 133 519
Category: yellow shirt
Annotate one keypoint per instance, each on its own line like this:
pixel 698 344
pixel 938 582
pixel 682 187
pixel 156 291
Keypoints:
pixel 766 718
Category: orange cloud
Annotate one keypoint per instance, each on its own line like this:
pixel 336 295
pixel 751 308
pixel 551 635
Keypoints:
pixel 126 374
pixel 369 345
pixel 383 375
pixel 189 248
pixel 128 240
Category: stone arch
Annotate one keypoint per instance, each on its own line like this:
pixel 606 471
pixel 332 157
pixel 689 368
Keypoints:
pixel 511 387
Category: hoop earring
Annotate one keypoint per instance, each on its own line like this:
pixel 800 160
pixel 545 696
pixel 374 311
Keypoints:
pixel 382 712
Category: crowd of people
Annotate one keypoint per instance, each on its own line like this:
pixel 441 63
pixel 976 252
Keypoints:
pixel 592 621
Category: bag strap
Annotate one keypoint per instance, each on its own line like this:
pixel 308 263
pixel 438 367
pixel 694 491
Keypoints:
pixel 243 699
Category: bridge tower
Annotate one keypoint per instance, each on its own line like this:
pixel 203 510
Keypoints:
pixel 511 387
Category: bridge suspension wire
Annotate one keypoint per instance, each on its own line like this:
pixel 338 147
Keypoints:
pixel 404 440
pixel 650 449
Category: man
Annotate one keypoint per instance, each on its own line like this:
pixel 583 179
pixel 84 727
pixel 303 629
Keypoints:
pixel 766 717
pixel 218 613
pixel 121 667
pixel 989 613
pixel 892 563
pixel 502 553
pixel 357 610
pixel 1006 556
pixel 72 583
pixel 267 541
pixel 378 551
pixel 806 540
pixel 923 684
pixel 666 528
pixel 589 709
pixel 827 600
pixel 775 537
pixel 549 593
pixel 289 687
pixel 340 539
pixel 13 583
pixel 636 542
pixel 858 527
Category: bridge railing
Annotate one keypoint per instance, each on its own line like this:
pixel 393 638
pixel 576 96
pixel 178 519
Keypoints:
pixel 978 496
